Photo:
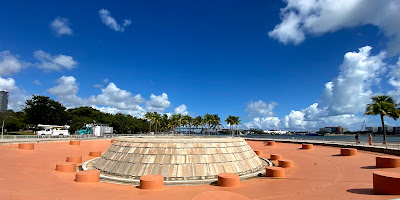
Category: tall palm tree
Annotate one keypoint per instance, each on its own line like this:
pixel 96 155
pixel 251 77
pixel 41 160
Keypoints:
pixel 164 123
pixel 156 117
pixel 207 121
pixel 236 121
pixel 174 122
pixel 215 122
pixel 187 121
pixel 383 105
pixel 197 121
pixel 149 117
pixel 230 121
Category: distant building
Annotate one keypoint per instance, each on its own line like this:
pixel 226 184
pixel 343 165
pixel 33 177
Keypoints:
pixel 3 100
pixel 389 129
pixel 275 132
pixel 372 129
pixel 378 129
pixel 337 130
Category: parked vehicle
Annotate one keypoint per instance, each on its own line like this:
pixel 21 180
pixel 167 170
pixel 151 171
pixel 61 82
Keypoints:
pixel 52 130
pixel 96 129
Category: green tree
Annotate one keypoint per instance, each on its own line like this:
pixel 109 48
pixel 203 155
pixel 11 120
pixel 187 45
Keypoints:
pixel 215 122
pixel 156 117
pixel 236 121
pixel 187 122
pixel 207 119
pixel 43 110
pixel 383 105
pixel 149 116
pixel 230 121
pixel 197 121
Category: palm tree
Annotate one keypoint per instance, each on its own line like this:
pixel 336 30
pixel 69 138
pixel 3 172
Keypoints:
pixel 215 122
pixel 149 116
pixel 383 105
pixel 156 117
pixel 236 121
pixel 230 120
pixel 207 121
pixel 197 121
pixel 174 122
pixel 187 121
pixel 164 121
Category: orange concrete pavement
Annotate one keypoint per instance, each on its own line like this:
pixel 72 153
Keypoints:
pixel 317 174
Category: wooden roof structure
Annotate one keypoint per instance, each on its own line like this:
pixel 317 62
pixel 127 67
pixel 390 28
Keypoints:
pixel 178 157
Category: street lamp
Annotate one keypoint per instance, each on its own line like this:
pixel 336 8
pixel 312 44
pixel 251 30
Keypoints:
pixel 2 127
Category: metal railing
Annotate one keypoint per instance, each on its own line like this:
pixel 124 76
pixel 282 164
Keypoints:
pixel 345 142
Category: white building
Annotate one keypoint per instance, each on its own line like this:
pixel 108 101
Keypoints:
pixel 276 132
pixel 3 100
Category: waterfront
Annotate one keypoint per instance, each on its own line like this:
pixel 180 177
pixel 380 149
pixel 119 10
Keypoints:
pixel 346 138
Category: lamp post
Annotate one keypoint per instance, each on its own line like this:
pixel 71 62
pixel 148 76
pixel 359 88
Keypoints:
pixel 2 128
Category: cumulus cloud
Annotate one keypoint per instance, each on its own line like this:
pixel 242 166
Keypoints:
pixel 60 26
pixel 57 63
pixel 316 17
pixel 116 97
pixel 157 103
pixel 10 64
pixel 260 108
pixel 267 123
pixel 17 96
pixel 181 110
pixel 112 99
pixel 66 92
pixel 342 99
pixel 394 80
pixel 351 90
pixel 109 21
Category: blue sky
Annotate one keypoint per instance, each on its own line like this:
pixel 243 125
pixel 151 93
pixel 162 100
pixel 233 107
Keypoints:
pixel 296 65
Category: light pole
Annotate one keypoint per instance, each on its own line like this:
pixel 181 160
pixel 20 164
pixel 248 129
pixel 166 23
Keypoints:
pixel 2 128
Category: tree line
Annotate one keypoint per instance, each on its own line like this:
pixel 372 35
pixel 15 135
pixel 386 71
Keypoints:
pixel 209 123
pixel 43 110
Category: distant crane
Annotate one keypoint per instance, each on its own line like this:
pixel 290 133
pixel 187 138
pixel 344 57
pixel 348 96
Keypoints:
pixel 362 125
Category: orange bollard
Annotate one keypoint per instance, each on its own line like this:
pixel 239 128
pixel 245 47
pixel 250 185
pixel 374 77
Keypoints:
pixel 75 159
pixel 27 146
pixel 88 176
pixel 150 182
pixel 95 153
pixel 66 167
pixel 228 180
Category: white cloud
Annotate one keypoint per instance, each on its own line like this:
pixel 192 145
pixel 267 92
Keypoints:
pixel 181 110
pixel 343 98
pixel 58 62
pixel 111 100
pixel 351 90
pixel 316 17
pixel 157 103
pixel 37 82
pixel 260 108
pixel 97 86
pixel 10 64
pixel 116 97
pixel 17 96
pixel 66 86
pixel 66 92
pixel 105 80
pixel 266 123
pixel 106 18
pixel 60 26
pixel 394 80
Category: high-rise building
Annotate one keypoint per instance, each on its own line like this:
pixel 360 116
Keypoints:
pixel 3 100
